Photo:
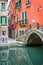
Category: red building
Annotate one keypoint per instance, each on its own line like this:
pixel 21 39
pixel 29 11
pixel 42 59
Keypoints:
pixel 24 15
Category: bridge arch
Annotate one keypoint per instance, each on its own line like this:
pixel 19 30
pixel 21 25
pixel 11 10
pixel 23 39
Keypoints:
pixel 32 32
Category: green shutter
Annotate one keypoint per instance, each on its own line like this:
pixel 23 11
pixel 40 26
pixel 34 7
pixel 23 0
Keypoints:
pixel 5 20
pixel 25 15
pixel 16 4
pixel 22 15
pixel 8 19
pixel 28 2
pixel 0 20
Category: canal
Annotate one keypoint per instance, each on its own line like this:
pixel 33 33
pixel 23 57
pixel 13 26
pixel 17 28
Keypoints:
pixel 31 55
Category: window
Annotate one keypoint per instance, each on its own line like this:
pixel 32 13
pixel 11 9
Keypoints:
pixel 12 11
pixel 0 20
pixel 2 5
pixel 16 17
pixel 21 32
pixel 24 18
pixel 3 32
pixel 27 2
pixel 12 20
pixel 18 4
pixel 3 20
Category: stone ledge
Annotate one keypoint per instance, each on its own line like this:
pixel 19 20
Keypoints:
pixel 21 38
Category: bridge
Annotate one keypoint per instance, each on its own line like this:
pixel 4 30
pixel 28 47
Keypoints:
pixel 37 32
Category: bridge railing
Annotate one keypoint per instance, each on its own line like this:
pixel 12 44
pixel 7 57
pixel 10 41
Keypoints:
pixel 41 28
pixel 37 26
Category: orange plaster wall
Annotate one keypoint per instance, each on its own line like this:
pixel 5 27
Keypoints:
pixel 32 12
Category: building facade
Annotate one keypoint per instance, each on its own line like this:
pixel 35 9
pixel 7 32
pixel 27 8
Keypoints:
pixel 3 20
pixel 24 15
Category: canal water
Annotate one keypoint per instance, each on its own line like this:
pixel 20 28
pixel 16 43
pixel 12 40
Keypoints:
pixel 31 55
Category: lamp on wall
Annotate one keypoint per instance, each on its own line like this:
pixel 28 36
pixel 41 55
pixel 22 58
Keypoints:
pixel 39 8
pixel 33 20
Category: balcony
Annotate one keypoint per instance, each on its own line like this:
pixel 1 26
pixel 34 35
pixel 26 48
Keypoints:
pixel 23 22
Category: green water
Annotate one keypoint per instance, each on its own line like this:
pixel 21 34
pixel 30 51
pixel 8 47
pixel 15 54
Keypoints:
pixel 36 55
pixel 32 55
pixel 26 55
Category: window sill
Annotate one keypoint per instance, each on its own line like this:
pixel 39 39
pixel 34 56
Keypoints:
pixel 23 24
pixel 3 24
pixel 3 10
pixel 28 5
pixel 19 8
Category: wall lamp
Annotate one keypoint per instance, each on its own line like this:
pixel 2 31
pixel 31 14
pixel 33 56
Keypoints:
pixel 39 8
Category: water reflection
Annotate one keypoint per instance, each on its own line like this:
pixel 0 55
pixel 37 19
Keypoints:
pixel 19 56
pixel 32 55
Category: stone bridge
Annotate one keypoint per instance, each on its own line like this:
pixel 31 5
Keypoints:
pixel 36 31
pixel 25 37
